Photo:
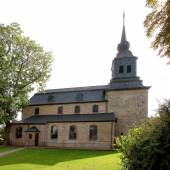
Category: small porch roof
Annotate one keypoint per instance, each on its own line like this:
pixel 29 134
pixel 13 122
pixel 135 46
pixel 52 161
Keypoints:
pixel 32 129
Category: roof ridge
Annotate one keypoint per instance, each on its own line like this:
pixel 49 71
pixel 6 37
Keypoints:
pixel 80 88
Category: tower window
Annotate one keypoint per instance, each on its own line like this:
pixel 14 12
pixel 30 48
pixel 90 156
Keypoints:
pixel 95 108
pixel 129 69
pixel 36 112
pixel 60 110
pixel 121 69
pixel 77 109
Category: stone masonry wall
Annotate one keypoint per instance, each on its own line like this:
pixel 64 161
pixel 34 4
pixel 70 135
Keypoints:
pixel 105 134
pixel 129 106
pixel 103 140
pixel 85 108
pixel 25 141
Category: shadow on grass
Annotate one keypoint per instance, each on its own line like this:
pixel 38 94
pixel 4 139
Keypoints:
pixel 49 156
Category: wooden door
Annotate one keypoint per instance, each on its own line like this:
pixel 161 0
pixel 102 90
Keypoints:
pixel 36 139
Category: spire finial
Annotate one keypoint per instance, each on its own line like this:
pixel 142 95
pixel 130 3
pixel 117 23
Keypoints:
pixel 123 18
pixel 124 45
pixel 123 38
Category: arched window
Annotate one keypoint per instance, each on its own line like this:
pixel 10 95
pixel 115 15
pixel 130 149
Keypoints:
pixel 73 132
pixel 77 109
pixel 93 132
pixel 54 132
pixel 19 132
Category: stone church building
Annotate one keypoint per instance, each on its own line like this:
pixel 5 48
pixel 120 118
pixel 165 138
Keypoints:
pixel 86 117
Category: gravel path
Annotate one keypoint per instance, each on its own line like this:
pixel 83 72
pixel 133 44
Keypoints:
pixel 11 151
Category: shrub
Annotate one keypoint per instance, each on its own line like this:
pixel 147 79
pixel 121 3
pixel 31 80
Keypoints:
pixel 148 147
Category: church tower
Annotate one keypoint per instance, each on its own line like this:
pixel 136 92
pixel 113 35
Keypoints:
pixel 124 66
pixel 127 96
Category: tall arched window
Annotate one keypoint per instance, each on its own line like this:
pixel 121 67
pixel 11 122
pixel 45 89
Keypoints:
pixel 93 132
pixel 54 132
pixel 73 132
pixel 19 132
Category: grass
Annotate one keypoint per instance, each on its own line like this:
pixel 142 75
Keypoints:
pixel 60 159
pixel 6 148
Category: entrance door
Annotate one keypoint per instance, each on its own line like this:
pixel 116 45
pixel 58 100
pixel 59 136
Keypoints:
pixel 36 139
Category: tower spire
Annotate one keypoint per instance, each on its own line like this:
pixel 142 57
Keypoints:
pixel 124 66
pixel 123 46
pixel 123 38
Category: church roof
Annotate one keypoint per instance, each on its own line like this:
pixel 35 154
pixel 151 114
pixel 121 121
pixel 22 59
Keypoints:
pixel 43 119
pixel 76 89
pixel 79 94
pixel 70 95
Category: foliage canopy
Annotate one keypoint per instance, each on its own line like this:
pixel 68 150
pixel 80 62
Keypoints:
pixel 24 65
pixel 157 24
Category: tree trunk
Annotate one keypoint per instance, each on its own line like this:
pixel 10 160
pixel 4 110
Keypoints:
pixel 7 132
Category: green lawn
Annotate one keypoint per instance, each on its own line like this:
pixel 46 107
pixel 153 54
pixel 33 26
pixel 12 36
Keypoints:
pixel 60 159
pixel 6 148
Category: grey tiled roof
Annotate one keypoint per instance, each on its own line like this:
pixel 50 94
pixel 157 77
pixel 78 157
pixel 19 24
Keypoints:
pixel 43 119
pixel 82 94
pixel 69 95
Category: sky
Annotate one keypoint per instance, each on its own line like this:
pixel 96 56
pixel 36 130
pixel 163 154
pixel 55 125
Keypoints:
pixel 83 36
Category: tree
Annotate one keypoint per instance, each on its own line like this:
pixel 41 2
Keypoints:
pixel 23 66
pixel 2 135
pixel 157 24
pixel 148 146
